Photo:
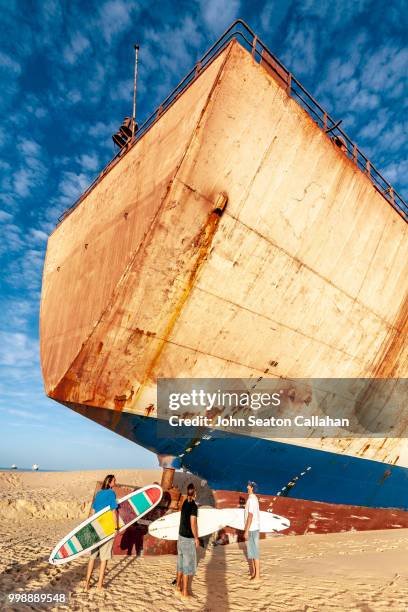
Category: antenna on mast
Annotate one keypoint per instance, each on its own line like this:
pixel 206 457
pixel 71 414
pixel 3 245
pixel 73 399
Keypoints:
pixel 129 126
pixel 134 89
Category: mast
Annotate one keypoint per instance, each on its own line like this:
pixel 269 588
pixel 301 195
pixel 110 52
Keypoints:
pixel 134 90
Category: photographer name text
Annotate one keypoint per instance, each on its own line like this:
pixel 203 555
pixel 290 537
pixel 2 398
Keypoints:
pixel 254 421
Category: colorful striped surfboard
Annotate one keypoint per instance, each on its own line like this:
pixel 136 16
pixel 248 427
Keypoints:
pixel 100 527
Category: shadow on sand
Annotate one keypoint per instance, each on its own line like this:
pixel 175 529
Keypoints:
pixel 56 578
pixel 216 580
pixel 216 576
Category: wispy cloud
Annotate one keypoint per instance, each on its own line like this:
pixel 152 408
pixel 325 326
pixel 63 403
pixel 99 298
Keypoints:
pixel 386 68
pixel 89 162
pixel 37 236
pixel 75 48
pixel 302 54
pixel 5 216
pixel 32 171
pixel 10 65
pixel 24 414
pixel 373 128
pixel 166 67
pixel 14 236
pixel 396 172
pixel 116 16
pixel 20 313
pixel 71 186
pixel 272 15
pixel 24 271
pixel 218 14
pixel 101 130
pixel 17 349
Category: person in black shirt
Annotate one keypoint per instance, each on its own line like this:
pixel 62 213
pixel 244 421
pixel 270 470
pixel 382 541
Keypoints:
pixel 187 543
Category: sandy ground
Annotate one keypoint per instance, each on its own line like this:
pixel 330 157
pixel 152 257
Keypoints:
pixel 365 571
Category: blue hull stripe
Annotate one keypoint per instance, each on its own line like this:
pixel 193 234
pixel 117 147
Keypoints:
pixel 228 461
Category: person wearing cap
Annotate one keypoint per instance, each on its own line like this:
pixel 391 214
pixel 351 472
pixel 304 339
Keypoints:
pixel 252 527
pixel 187 543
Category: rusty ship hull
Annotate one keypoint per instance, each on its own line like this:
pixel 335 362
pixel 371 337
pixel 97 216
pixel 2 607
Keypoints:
pixel 234 238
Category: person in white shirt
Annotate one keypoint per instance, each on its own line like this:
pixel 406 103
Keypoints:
pixel 252 526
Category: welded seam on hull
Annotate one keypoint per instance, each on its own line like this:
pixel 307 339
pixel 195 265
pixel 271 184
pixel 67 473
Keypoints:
pixel 149 233
pixel 310 269
pixel 258 314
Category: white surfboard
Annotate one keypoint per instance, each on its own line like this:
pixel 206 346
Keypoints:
pixel 211 520
pixel 269 522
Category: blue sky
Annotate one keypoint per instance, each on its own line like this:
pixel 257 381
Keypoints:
pixel 66 84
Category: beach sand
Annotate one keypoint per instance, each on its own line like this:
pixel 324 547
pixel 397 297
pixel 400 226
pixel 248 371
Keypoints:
pixel 365 571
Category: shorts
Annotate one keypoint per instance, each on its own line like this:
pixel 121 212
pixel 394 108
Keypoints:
pixel 253 544
pixel 104 551
pixel 186 556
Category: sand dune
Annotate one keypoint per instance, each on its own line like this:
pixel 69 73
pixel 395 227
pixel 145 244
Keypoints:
pixel 58 495
pixel 366 571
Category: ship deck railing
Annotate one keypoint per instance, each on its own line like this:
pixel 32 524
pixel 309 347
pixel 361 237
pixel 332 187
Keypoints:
pixel 240 31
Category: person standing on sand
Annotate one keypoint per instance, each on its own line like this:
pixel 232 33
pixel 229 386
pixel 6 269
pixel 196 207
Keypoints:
pixel 252 527
pixel 105 497
pixel 187 543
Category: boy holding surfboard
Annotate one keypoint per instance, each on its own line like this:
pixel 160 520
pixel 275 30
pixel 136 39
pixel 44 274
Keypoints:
pixel 105 497
pixel 252 527
pixel 187 543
